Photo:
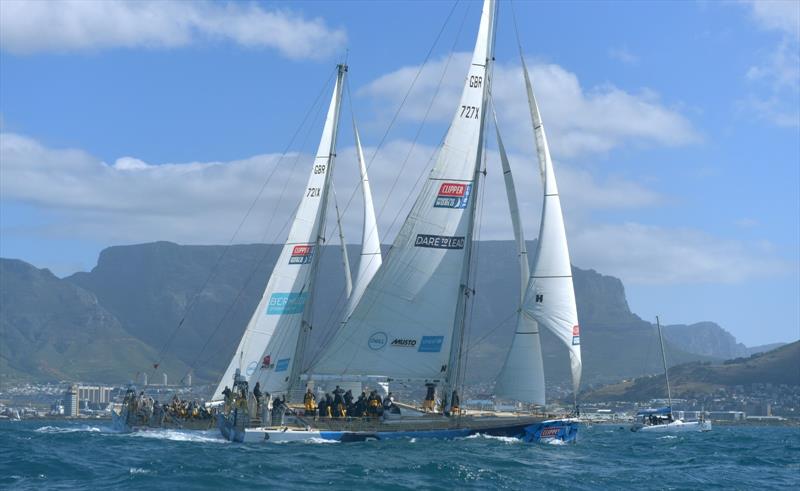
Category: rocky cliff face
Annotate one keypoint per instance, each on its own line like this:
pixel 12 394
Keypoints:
pixel 141 293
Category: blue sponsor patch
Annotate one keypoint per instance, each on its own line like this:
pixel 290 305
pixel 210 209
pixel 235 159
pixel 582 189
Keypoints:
pixel 576 340
pixel 453 195
pixel 282 365
pixel 286 303
pixel 431 344
pixel 439 241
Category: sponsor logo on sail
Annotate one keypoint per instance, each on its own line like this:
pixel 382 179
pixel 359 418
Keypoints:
pixel 453 195
pixel 286 303
pixel 301 254
pixel 377 340
pixel 439 241
pixel 576 335
pixel 282 365
pixel 251 368
pixel 431 344
pixel 404 343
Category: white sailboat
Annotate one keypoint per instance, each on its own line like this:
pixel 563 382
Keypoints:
pixel 405 319
pixel 661 420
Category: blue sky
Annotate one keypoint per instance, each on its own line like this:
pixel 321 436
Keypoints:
pixel 674 127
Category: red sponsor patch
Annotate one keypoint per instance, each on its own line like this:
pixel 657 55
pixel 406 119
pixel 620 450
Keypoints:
pixel 452 189
pixel 301 250
pixel 576 331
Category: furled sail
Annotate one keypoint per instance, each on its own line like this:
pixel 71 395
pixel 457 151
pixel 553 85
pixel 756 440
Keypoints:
pixel 370 259
pixel 550 296
pixel 522 375
pixel 268 348
pixel 403 325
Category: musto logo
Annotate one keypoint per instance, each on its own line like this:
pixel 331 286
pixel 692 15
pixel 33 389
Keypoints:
pixel 576 335
pixel 453 195
pixel 301 254
pixel 286 303
pixel 377 340
pixel 439 241
pixel 404 343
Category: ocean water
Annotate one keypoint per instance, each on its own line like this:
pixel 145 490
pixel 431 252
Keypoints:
pixel 87 455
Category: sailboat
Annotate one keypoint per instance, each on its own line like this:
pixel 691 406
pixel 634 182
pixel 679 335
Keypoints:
pixel 405 319
pixel 662 420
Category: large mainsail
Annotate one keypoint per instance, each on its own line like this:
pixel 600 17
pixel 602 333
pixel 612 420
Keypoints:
pixel 403 325
pixel 550 296
pixel 522 376
pixel 268 350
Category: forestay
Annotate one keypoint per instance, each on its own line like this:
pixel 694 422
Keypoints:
pixel 403 324
pixel 522 375
pixel 267 351
pixel 550 297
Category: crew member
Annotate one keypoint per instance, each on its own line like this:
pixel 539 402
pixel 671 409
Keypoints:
pixel 430 398
pixel 310 402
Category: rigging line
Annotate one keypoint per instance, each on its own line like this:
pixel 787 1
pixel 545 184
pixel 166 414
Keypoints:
pixel 263 257
pixel 194 298
pixel 408 155
pixel 500 324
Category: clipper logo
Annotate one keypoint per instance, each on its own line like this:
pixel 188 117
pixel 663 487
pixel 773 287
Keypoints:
pixel 286 303
pixel 282 365
pixel 439 241
pixel 431 344
pixel 576 335
pixel 404 343
pixel 377 340
pixel 301 254
pixel 453 195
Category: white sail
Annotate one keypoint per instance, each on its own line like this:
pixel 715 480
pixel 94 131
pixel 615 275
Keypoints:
pixel 402 327
pixel 370 259
pixel 267 350
pixel 522 375
pixel 550 296
pixel 348 280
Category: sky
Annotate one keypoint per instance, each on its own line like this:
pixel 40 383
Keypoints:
pixel 674 128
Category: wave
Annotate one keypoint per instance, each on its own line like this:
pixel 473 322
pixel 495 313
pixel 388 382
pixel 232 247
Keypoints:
pixel 505 439
pixel 139 470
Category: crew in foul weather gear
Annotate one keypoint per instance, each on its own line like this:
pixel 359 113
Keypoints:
pixel 429 403
pixel 310 403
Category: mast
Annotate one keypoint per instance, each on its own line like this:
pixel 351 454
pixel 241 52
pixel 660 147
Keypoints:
pixel 454 374
pixel 305 325
pixel 664 360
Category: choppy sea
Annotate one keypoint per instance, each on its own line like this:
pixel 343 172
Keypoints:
pixel 81 455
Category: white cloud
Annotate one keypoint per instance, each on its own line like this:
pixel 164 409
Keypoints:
pixel 74 25
pixel 778 75
pixel 581 121
pixel 624 55
pixel 649 254
pixel 203 202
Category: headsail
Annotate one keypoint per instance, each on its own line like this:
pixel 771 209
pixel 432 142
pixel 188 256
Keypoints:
pixel 370 259
pixel 268 349
pixel 550 296
pixel 402 327
pixel 522 376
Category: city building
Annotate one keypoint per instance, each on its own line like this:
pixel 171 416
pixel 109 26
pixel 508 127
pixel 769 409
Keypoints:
pixel 71 405
pixel 95 394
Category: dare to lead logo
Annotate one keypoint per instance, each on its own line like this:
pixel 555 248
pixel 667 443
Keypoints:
pixel 439 241
pixel 301 254
pixel 453 195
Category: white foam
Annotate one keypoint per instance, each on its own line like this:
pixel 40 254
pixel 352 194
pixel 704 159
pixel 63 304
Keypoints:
pixel 505 439
pixel 139 470
pixel 210 436
pixel 555 441
pixel 68 429
pixel 667 437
